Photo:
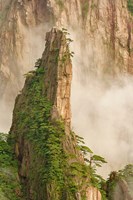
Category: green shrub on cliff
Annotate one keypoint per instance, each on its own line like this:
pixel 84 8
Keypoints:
pixel 130 6
pixel 120 183
pixel 10 188
pixel 50 164
pixel 92 162
pixel 49 161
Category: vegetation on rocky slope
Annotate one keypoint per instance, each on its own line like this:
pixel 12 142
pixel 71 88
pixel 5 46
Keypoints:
pixel 130 6
pixel 55 167
pixel 120 184
pixel 53 162
pixel 9 181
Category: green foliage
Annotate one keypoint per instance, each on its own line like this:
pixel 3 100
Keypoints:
pixel 90 158
pixel 38 63
pixel 49 161
pixel 65 31
pixel 9 185
pixel 6 156
pixel 98 160
pixel 125 174
pixel 92 162
pixel 80 140
pixel 130 6
pixel 85 149
pixel 50 164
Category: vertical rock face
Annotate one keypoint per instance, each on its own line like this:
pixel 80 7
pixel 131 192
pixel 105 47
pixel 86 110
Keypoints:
pixel 44 144
pixel 93 194
pixel 15 54
pixel 103 30
pixel 57 81
pixel 109 25
pixel 105 25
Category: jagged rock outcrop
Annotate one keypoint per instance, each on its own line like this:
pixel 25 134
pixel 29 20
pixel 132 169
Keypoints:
pixel 93 194
pixel 105 25
pixel 50 163
pixel 104 31
pixel 58 78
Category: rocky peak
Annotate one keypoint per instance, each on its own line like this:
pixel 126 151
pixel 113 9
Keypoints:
pixel 51 166
pixel 105 25
pixel 58 73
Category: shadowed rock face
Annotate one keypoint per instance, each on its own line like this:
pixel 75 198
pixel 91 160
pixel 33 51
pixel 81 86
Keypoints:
pixel 122 191
pixel 122 184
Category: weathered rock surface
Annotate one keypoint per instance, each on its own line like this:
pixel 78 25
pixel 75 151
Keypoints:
pixel 57 81
pixel 93 194
pixel 105 38
pixel 47 152
pixel 105 29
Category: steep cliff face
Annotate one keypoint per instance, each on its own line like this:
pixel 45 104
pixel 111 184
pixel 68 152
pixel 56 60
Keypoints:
pixel 10 187
pixel 109 27
pixel 58 80
pixel 14 51
pixel 105 25
pixel 50 163
pixel 102 28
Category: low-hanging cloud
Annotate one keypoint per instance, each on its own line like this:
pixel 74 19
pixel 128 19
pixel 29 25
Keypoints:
pixel 102 108
pixel 5 117
pixel 31 48
pixel 104 117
